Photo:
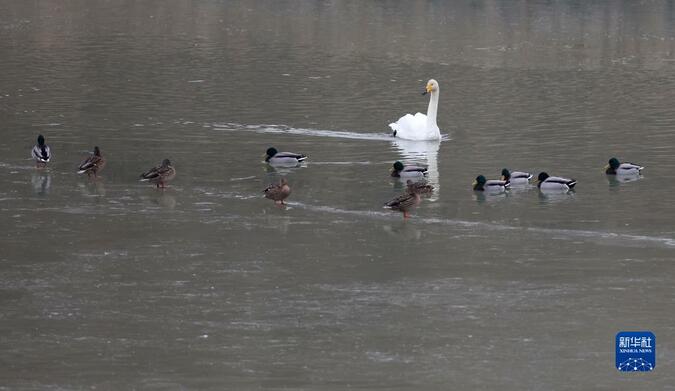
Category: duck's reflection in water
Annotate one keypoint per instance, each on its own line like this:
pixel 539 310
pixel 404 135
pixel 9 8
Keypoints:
pixel 42 182
pixel 164 198
pixel 403 230
pixel 555 196
pixel 93 188
pixel 616 180
pixel 487 196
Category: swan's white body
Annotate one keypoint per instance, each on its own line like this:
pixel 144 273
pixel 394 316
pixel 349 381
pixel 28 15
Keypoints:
pixel 420 126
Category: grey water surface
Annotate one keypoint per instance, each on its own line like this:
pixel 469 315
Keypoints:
pixel 113 284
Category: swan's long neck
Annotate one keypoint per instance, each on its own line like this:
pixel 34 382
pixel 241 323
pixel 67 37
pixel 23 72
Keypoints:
pixel 432 110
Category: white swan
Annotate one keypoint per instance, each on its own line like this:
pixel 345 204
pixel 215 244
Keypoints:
pixel 420 126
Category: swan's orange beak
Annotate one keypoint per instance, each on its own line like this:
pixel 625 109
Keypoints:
pixel 429 89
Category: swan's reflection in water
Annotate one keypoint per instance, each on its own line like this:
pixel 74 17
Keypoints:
pixel 41 182
pixel 422 152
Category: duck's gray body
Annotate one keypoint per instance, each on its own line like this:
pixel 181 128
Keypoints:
pixel 629 169
pixel 285 159
pixel 556 183
pixel 410 172
pixel 41 153
pixel 520 178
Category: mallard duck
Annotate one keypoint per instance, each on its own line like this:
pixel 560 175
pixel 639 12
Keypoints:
pixel 419 187
pixel 398 170
pixel 274 157
pixel 492 185
pixel 41 152
pixel 404 203
pixel 547 182
pixel 516 177
pixel 93 164
pixel 160 175
pixel 617 168
pixel 278 191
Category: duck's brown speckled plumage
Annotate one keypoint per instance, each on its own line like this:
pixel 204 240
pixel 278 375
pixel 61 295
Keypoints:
pixel 404 202
pixel 93 164
pixel 160 175
pixel 422 188
pixel 278 192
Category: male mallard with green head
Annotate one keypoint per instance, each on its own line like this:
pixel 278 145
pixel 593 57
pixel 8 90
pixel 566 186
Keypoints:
pixel 490 186
pixel 516 177
pixel 276 158
pixel 41 152
pixel 398 170
pixel 615 167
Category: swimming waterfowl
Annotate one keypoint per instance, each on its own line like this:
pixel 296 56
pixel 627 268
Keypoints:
pixel 160 175
pixel 492 185
pixel 420 126
pixel 617 168
pixel 41 152
pixel 274 157
pixel 547 182
pixel 278 192
pixel 404 202
pixel 516 177
pixel 419 187
pixel 93 164
pixel 398 170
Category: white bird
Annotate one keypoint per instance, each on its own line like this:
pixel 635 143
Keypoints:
pixel 41 152
pixel 547 182
pixel 617 168
pixel 420 126
pixel 516 177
